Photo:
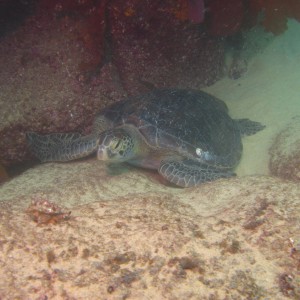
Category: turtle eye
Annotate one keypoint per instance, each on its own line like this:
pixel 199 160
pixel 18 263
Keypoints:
pixel 116 144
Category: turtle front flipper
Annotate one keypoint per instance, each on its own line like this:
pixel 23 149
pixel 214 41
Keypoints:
pixel 248 127
pixel 188 173
pixel 61 146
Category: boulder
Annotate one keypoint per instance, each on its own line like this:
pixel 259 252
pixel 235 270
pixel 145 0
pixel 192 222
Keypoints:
pixel 129 236
pixel 46 85
pixel 285 152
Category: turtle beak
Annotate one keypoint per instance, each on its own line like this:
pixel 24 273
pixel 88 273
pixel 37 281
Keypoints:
pixel 102 153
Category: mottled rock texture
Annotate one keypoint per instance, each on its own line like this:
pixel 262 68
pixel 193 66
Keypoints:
pixel 45 86
pixel 131 237
pixel 152 46
pixel 285 152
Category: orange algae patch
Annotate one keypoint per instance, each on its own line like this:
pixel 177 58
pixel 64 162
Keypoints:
pixel 129 12
pixel 181 10
pixel 276 13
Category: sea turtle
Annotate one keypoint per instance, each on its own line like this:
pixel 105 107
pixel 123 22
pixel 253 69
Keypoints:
pixel 186 135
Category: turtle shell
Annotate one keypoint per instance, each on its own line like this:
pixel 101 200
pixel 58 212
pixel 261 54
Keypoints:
pixel 190 123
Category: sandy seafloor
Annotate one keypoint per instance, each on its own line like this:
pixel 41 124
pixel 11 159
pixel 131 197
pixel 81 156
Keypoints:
pixel 269 92
pixel 132 237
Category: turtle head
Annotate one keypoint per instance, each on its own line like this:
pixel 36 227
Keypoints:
pixel 116 146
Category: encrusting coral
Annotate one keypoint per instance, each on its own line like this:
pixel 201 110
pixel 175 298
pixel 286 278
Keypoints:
pixel 42 211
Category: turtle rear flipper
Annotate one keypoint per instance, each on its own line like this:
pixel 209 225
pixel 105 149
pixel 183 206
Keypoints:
pixel 248 127
pixel 188 173
pixel 61 146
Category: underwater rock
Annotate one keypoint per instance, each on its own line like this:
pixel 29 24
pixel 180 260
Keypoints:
pixel 237 68
pixel 234 238
pixel 285 152
pixel 221 22
pixel 153 44
pixel 49 79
